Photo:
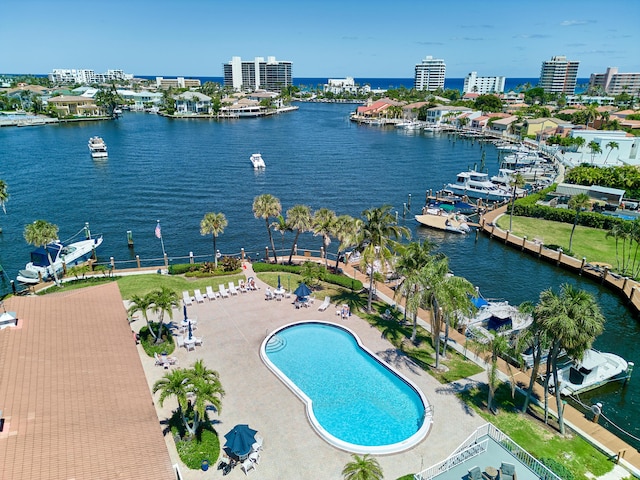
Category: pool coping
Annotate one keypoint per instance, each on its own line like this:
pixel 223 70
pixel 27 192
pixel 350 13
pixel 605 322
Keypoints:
pixel 393 448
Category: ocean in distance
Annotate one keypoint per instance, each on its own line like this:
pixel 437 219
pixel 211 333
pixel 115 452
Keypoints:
pixel 178 170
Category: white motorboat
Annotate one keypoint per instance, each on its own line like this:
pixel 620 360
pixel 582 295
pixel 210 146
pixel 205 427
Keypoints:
pixel 595 369
pixel 439 219
pixel 257 161
pixel 97 147
pixel 62 255
pixel 477 185
pixel 494 317
pixel 409 125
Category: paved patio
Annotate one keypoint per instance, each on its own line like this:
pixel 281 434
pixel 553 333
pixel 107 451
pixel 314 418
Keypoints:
pixel 233 329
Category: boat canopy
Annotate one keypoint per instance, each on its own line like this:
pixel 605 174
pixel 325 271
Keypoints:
pixel 39 256
pixel 479 302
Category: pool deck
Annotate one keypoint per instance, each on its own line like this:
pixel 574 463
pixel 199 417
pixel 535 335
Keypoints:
pixel 233 329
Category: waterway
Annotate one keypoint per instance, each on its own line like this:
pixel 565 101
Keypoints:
pixel 175 171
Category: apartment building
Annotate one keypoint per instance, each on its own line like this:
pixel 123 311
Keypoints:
pixel 257 74
pixel 430 74
pixel 615 83
pixel 86 76
pixel 179 82
pixel 559 75
pixel 475 84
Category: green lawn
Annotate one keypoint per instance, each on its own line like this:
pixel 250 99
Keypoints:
pixel 591 243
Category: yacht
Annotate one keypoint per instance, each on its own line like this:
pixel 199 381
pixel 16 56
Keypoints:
pixel 97 147
pixel 477 185
pixel 494 317
pixel 257 161
pixel 441 220
pixel 56 256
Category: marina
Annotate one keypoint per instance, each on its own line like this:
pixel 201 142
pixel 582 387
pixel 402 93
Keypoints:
pixel 319 156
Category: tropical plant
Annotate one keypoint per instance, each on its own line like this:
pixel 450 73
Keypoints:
pixel 266 206
pixel 537 340
pixel 412 258
pixel 516 181
pixel 492 347
pixel 174 384
pixel 572 320
pixel 611 145
pixel 163 301
pixel 4 195
pixel 345 229
pixel 362 468
pixel 139 303
pixel 590 113
pixel 214 224
pixel 578 203
pixel 322 224
pixel 595 148
pixel 39 234
pixel 299 220
pixel 280 225
pixel 379 236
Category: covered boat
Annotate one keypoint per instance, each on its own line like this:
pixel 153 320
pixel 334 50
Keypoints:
pixel 442 220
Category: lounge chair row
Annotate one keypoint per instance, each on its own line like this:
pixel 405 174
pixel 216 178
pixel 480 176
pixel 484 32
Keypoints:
pixel 223 292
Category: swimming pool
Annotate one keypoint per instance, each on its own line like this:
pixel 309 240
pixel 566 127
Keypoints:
pixel 354 401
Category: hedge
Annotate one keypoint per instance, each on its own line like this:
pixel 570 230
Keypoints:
pixel 336 279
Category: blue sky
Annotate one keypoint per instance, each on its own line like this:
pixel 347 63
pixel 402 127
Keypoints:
pixel 331 38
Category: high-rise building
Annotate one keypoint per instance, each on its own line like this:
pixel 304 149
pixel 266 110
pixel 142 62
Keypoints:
pixel 86 77
pixel 253 75
pixel 614 83
pixel 430 74
pixel 559 75
pixel 475 84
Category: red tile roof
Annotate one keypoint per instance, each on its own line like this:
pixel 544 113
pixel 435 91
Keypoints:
pixel 74 396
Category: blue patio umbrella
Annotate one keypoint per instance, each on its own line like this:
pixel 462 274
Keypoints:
pixel 302 291
pixel 240 440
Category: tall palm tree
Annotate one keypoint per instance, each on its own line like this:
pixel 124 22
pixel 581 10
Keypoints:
pixel 578 203
pixel 207 391
pixel 214 224
pixel 299 219
pixel 454 297
pixel 572 319
pixel 345 229
pixel 538 341
pixel 266 206
pixel 141 304
pixel 362 468
pixel 174 384
pixel 611 145
pixel 595 148
pixel 39 234
pixel 280 225
pixel 590 113
pixel 379 235
pixel 163 301
pixel 322 224
pixel 516 181
pixel 493 348
pixel 412 258
pixel 4 195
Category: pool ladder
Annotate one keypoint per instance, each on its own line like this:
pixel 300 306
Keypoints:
pixel 275 344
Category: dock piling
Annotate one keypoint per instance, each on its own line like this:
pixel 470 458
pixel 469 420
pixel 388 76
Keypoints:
pixel 129 238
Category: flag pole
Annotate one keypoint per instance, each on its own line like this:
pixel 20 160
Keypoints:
pixel 159 235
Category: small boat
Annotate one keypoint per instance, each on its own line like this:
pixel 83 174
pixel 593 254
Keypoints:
pixel 257 161
pixel 452 203
pixel 494 317
pixel 441 220
pixel 477 185
pixel 62 255
pixel 595 369
pixel 409 125
pixel 97 147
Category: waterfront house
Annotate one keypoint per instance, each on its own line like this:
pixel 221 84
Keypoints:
pixel 192 103
pixel 241 107
pixel 410 111
pixel 532 126
pixel 439 114
pixel 377 108
pixel 140 100
pixel 503 126
pixel 75 105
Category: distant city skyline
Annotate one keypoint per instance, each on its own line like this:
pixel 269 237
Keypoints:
pixel 333 39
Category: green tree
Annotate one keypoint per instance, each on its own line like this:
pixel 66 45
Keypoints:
pixel 590 113
pixel 266 206
pixel 299 219
pixel 214 224
pixel 174 383
pixel 595 148
pixel 572 319
pixel 4 195
pixel 345 229
pixel 578 203
pixel 413 257
pixel 516 181
pixel 537 340
pixel 492 348
pixel 280 225
pixel 109 99
pixel 379 236
pixel 322 223
pixel 205 387
pixel 163 301
pixel 454 297
pixel 141 303
pixel 488 103
pixel 611 145
pixel 362 468
pixel 39 234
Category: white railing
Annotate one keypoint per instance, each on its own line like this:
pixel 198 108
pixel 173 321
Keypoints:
pixel 475 444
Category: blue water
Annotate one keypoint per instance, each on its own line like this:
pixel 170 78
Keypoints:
pixel 178 170
pixel 355 398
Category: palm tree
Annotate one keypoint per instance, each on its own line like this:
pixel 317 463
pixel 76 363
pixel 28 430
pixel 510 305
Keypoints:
pixel 579 142
pixel 163 300
pixel 174 384
pixel 412 258
pixel 454 296
pixel 346 229
pixel 207 391
pixel 380 233
pixel 578 203
pixel 265 206
pixel 595 148
pixel 322 224
pixel 141 304
pixel 213 223
pixel 362 468
pixel 537 340
pixel 590 113
pixel 611 145
pixel 572 320
pixel 39 234
pixel 516 181
pixel 299 219
pixel 281 225
pixel 4 196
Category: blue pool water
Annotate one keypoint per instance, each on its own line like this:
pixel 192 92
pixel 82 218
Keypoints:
pixel 353 400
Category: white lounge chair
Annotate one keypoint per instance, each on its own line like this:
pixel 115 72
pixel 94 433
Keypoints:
pixel 324 305
pixel 198 340
pixel 180 341
pixel 198 295
pixel 186 298
pixel 211 295
pixel 223 291
pixel 247 465
pixel 232 289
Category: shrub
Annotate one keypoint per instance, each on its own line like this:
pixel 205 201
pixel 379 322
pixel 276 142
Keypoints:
pixel 260 267
pixel 557 468
pixel 148 342
pixel 230 264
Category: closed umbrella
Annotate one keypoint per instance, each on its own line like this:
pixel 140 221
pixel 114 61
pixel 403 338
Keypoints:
pixel 302 291
pixel 184 310
pixel 240 440
pixel 190 330
pixel 279 286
